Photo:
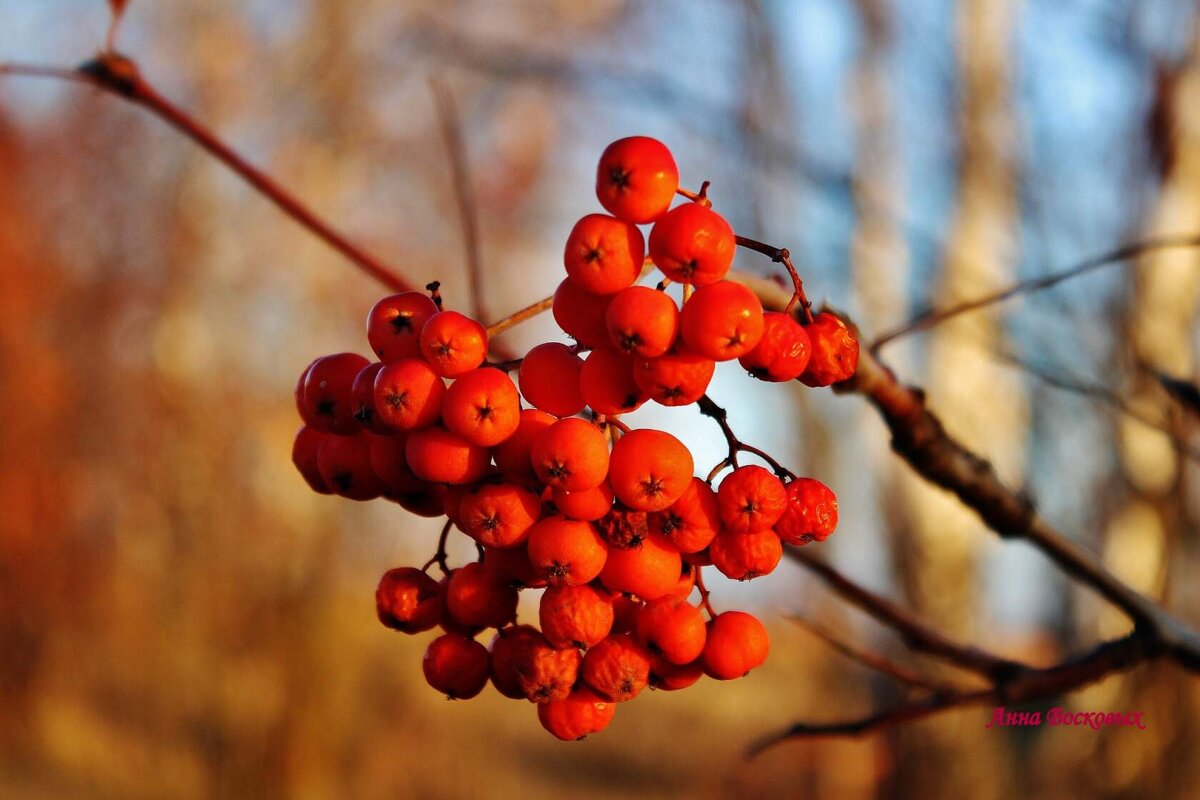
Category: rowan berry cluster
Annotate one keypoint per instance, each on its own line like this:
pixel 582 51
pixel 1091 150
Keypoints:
pixel 611 523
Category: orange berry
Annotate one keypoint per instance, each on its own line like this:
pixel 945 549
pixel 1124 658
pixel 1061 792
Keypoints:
pixel 426 502
pixel 544 672
pixel 685 583
pixel 678 378
pixel 512 455
pixel 649 570
pixel 722 321
pixel 482 406
pixel 408 394
pixel 304 457
pixel 498 514
pixel 737 643
pixel 672 628
pixel 606 382
pixel 575 616
pixel 636 179
pixel 456 666
pixel 580 714
pixel 549 379
pixel 511 566
pixel 407 600
pixel 572 454
pixel 506 651
pixel 453 343
pixel 326 401
pixel 622 527
pixel 625 611
pixel 475 600
pixel 394 325
pixel 692 244
pixel 362 400
pixel 439 456
pixel 783 351
pixel 649 470
pixel 692 521
pixel 603 254
pixel 811 515
pixel 751 499
pixel 344 464
pixel 642 321
pixel 745 556
pixel 386 454
pixel 834 351
pixel 580 313
pixel 673 677
pixel 588 505
pixel 566 552
pixel 617 667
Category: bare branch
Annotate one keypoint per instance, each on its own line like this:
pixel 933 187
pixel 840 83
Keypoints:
pixel 871 660
pixel 1026 685
pixel 120 76
pixel 936 316
pixel 463 194
pixel 915 634
pixel 919 438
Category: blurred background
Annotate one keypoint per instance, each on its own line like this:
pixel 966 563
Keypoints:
pixel 180 617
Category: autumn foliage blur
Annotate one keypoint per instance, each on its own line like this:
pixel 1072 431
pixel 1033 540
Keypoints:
pixel 180 616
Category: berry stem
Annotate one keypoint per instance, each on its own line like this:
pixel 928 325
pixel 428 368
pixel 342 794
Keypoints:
pixel 782 256
pixel 612 421
pixel 710 409
pixel 517 317
pixel 700 197
pixel 439 557
pixel 119 75
pixel 704 601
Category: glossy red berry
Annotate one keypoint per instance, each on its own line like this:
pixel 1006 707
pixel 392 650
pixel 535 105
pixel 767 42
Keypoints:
pixel 327 403
pixel 834 351
pixel 407 600
pixel 783 351
pixel 693 244
pixel 456 666
pixel 603 255
pixel 636 179
pixel 394 325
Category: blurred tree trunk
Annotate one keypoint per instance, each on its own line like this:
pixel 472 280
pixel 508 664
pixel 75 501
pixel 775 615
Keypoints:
pixel 1146 535
pixel 977 399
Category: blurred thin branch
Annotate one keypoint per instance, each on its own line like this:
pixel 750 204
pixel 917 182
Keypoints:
pixel 121 76
pixel 935 316
pixel 464 195
pixel 870 660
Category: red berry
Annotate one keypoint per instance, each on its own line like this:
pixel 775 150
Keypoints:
pixel 362 400
pixel 751 499
pixel 475 600
pixel 746 556
pixel 693 244
pixel 506 653
pixel 408 394
pixel 834 351
pixel 811 514
pixel 642 321
pixel 580 313
pixel 512 455
pixel 583 712
pixel 722 321
pixel 456 666
pixel 549 379
pixel 453 343
pixel 672 628
pixel 327 393
pixel 783 351
pixel 482 406
pixel 603 254
pixel 345 465
pixel 607 384
pixel 498 514
pixel 737 643
pixel 439 456
pixel 407 600
pixel 678 378
pixel 304 456
pixel 636 179
pixel 617 667
pixel 394 325
pixel 575 616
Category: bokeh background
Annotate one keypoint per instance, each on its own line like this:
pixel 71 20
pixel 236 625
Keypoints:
pixel 180 617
